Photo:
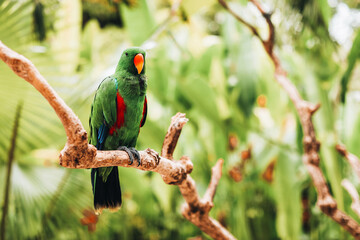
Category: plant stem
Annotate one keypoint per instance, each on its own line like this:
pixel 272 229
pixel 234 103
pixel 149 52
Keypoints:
pixel 9 167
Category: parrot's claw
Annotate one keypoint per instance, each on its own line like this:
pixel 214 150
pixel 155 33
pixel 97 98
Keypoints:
pixel 136 154
pixel 132 152
pixel 127 150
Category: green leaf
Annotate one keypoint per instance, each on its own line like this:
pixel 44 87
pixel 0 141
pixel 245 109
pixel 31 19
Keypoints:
pixel 198 92
pixel 353 56
pixel 139 21
pixel 287 196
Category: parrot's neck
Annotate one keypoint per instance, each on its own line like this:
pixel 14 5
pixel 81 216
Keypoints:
pixel 131 85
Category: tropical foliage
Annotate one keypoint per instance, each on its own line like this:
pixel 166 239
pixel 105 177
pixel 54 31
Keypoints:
pixel 203 62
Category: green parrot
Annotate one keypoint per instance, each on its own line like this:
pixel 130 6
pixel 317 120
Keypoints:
pixel 118 111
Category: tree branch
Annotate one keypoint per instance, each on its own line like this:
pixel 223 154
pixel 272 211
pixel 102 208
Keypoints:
pixel 240 19
pixel 305 111
pixel 355 164
pixel 215 177
pixel 196 210
pixel 352 159
pixel 77 153
pixel 355 205
pixel 173 135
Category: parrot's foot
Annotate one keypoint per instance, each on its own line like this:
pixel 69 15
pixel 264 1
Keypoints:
pixel 132 152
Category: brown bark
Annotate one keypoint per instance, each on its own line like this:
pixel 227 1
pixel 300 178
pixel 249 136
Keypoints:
pixel 196 210
pixel 305 111
pixel 77 153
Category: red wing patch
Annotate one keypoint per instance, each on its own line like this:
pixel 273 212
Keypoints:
pixel 143 119
pixel 120 111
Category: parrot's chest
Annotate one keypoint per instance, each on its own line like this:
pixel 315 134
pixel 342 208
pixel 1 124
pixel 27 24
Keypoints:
pixel 127 126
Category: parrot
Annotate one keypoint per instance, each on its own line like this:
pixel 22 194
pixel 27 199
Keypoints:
pixel 118 111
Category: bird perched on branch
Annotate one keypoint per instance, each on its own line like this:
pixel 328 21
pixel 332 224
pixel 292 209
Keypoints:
pixel 118 111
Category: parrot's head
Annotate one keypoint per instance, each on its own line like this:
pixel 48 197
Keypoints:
pixel 133 61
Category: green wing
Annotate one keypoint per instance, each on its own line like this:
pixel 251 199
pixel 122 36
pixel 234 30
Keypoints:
pixel 103 108
pixel 102 116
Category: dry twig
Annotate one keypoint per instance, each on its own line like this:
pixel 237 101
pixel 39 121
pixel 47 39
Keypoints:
pixel 352 159
pixel 77 153
pixel 305 111
pixel 196 210
pixel 355 164
pixel 355 205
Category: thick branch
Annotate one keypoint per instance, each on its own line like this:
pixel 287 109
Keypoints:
pixel 305 111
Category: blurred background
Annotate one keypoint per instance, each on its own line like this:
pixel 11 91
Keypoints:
pixel 200 61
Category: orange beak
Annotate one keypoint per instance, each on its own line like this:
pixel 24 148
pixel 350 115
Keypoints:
pixel 139 62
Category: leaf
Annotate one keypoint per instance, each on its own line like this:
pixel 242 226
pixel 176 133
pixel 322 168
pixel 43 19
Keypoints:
pixel 139 21
pixel 218 82
pixel 198 92
pixel 39 21
pixel 287 196
pixel 325 11
pixel 353 56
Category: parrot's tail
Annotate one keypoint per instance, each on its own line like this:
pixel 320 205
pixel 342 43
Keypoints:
pixel 106 194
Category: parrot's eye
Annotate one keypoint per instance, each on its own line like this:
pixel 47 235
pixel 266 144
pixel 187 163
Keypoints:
pixel 126 54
